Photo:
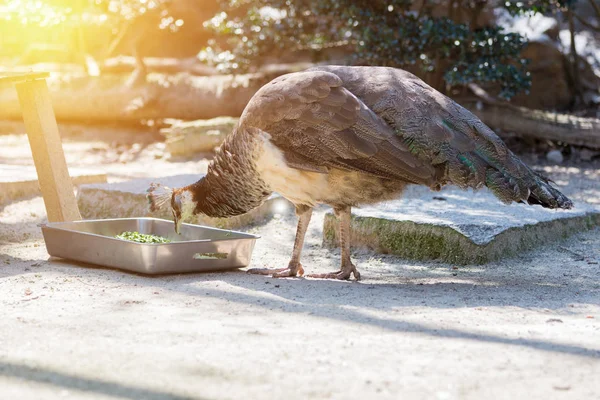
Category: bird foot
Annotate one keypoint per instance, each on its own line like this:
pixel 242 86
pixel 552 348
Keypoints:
pixel 291 270
pixel 343 274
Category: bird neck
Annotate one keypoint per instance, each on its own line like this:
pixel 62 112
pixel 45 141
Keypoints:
pixel 232 185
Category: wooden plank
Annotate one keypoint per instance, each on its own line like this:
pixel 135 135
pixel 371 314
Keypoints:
pixel 16 77
pixel 46 147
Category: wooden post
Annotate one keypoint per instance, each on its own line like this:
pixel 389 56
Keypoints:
pixel 46 146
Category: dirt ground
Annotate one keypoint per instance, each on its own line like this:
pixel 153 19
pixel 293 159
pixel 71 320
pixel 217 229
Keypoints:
pixel 526 327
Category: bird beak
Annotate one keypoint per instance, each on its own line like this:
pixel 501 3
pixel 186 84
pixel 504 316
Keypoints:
pixel 177 213
pixel 178 225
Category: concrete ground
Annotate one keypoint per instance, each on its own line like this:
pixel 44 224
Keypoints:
pixel 526 327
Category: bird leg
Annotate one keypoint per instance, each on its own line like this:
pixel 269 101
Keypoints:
pixel 343 216
pixel 294 267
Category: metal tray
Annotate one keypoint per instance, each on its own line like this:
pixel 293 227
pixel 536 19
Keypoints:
pixel 198 248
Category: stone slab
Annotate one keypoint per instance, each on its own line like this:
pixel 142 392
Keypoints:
pixel 463 227
pixel 128 199
pixel 20 181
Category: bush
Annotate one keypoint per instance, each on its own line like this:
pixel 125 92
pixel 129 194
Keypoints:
pixel 392 33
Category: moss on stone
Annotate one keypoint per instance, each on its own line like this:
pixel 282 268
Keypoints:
pixel 416 241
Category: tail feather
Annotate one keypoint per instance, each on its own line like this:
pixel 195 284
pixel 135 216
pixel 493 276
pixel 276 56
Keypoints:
pixel 499 185
pixel 546 195
pixel 491 163
pixel 531 188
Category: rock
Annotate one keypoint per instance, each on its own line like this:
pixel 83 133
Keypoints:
pixel 200 136
pixel 17 181
pixel 550 89
pixel 467 228
pixel 128 199
pixel 555 156
pixel 547 50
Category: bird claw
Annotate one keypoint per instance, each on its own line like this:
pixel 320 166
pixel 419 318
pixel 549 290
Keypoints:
pixel 343 274
pixel 290 271
pixel 287 272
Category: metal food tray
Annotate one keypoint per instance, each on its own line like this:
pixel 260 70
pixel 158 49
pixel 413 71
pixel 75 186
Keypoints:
pixel 198 248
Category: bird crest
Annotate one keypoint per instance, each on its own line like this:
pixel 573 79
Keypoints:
pixel 158 195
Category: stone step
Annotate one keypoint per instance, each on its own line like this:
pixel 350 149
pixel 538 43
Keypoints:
pixel 20 181
pixel 462 227
pixel 128 199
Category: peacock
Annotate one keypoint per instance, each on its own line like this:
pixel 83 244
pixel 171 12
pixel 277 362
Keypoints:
pixel 348 136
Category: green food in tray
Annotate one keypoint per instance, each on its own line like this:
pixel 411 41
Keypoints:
pixel 142 238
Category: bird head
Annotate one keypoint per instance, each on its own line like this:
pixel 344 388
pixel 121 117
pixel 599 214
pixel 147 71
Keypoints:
pixel 181 202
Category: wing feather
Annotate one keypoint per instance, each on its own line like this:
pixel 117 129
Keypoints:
pixel 318 123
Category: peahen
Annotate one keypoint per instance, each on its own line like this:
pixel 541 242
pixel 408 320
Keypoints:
pixel 346 136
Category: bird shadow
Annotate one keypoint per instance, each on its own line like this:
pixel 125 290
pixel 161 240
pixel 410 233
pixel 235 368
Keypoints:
pixel 391 285
pixel 362 303
pixel 377 301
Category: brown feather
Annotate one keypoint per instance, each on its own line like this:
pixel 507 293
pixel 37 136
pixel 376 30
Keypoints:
pixel 328 125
